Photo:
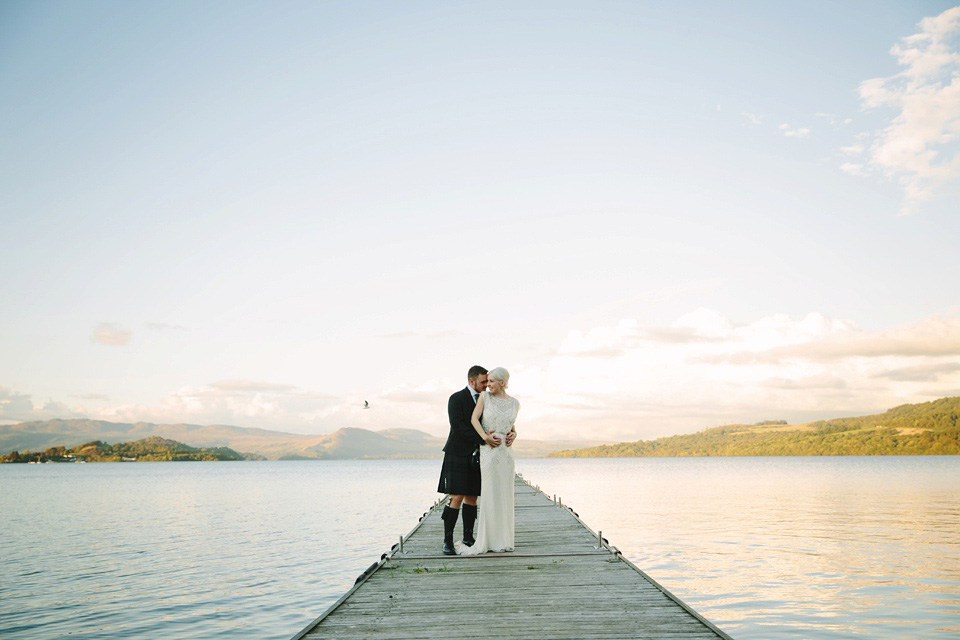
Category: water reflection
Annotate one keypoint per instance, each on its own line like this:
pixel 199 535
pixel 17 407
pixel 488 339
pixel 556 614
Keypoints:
pixel 785 548
pixel 193 550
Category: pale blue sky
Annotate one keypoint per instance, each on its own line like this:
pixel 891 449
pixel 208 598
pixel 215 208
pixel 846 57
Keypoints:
pixel 264 213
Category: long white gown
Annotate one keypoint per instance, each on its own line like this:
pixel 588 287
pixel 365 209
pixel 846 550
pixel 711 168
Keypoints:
pixel 495 520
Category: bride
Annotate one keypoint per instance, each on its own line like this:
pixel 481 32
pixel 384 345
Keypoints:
pixel 499 412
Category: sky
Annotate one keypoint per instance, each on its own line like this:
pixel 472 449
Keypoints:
pixel 659 217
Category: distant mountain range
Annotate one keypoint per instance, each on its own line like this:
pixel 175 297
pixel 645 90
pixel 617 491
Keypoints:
pixel 275 445
pixel 911 429
pixel 929 428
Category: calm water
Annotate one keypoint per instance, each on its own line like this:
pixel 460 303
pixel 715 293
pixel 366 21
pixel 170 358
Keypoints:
pixel 767 548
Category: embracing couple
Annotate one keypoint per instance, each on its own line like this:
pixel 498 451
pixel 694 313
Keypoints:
pixel 482 418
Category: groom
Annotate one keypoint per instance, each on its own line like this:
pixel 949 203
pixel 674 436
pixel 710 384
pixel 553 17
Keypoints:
pixel 460 476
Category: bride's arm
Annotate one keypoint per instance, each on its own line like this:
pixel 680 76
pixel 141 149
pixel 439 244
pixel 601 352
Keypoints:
pixel 512 435
pixel 489 438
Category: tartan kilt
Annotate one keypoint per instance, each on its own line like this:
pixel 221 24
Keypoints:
pixel 458 476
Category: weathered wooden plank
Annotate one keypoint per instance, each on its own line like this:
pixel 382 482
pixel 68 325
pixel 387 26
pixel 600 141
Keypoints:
pixel 559 583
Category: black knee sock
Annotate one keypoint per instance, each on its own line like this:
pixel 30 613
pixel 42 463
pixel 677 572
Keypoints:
pixel 469 517
pixel 449 518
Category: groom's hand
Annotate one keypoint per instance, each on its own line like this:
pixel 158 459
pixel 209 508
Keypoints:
pixel 493 441
pixel 511 436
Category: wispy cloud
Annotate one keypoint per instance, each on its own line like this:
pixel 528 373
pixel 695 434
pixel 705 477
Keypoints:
pixel 111 334
pixel 854 169
pixel 620 381
pixel 628 380
pixel 15 406
pixel 921 373
pixel 795 132
pixel 808 383
pixel 935 337
pixel 93 396
pixel 833 118
pixel 248 386
pixel 919 146
pixel 163 326
pixel 20 407
pixel 243 402
pixel 267 405
pixel 449 333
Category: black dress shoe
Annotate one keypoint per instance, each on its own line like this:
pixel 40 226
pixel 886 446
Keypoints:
pixel 469 541
pixel 448 549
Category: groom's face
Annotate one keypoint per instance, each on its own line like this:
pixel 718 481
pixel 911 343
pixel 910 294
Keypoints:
pixel 479 383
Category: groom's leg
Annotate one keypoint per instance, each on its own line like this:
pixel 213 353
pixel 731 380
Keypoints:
pixel 469 518
pixel 449 517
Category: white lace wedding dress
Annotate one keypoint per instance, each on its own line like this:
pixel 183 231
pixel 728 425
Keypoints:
pixel 495 520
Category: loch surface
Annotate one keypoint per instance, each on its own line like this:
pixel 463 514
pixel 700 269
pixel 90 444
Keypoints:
pixel 767 548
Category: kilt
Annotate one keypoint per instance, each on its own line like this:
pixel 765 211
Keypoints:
pixel 458 476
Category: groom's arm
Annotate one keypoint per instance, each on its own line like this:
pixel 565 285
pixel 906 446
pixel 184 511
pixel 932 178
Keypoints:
pixel 511 436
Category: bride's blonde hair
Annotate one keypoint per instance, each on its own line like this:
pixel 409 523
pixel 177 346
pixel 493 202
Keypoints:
pixel 500 374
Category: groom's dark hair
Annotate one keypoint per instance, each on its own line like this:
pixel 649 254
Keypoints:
pixel 475 372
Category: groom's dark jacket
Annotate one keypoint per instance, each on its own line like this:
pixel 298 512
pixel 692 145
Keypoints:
pixel 463 438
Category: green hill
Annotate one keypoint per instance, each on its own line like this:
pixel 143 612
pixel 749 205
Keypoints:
pixel 930 428
pixel 152 449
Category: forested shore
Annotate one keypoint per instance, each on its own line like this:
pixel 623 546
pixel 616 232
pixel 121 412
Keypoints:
pixel 930 428
pixel 152 449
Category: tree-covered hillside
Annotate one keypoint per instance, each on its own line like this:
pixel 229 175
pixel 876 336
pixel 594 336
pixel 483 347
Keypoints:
pixel 930 428
pixel 153 449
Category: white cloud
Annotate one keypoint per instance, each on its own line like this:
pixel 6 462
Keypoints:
pixel 111 334
pixel 935 337
pixel 449 333
pixel 19 407
pixel 241 387
pixel 854 169
pixel 163 326
pixel 833 118
pixel 919 146
pixel 922 373
pixel 619 381
pixel 266 405
pixel 239 400
pixel 285 407
pixel 755 120
pixel 791 132
pixel 15 406
pixel 93 396
pixel 628 381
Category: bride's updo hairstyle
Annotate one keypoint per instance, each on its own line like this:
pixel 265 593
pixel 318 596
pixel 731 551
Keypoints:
pixel 500 374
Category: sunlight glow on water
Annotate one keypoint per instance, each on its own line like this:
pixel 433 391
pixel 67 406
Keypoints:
pixel 767 548
pixel 771 548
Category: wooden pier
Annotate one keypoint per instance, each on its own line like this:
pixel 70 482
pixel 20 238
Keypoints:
pixel 561 581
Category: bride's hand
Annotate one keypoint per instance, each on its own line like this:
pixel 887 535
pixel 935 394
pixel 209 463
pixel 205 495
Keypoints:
pixel 492 440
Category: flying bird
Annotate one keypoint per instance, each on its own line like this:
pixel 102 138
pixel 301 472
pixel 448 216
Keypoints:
pixel 366 405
